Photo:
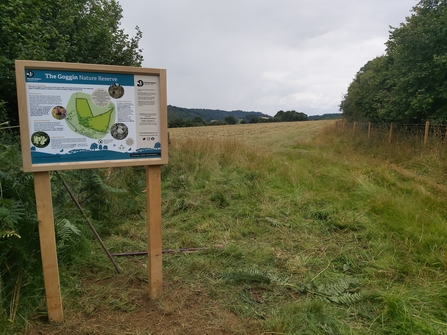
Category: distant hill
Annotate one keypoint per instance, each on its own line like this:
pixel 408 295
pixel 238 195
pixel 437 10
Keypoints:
pixel 209 114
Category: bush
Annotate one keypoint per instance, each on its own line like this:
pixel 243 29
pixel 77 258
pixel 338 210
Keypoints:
pixel 19 243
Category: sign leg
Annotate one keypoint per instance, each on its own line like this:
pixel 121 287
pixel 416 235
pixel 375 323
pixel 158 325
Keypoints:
pixel 154 263
pixel 48 251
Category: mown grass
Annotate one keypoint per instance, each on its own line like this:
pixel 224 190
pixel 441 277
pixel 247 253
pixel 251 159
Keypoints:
pixel 321 212
pixel 313 234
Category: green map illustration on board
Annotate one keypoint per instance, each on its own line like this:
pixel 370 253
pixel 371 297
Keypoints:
pixel 84 117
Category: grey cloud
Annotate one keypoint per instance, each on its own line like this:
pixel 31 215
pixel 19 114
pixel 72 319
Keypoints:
pixel 262 55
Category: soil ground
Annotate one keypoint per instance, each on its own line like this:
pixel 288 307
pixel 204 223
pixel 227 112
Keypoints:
pixel 124 307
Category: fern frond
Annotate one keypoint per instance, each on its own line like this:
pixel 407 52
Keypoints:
pixel 343 291
pixel 338 287
pixel 98 183
pixel 11 212
pixel 65 231
pixel 6 177
pixel 281 281
pixel 8 234
pixel 346 298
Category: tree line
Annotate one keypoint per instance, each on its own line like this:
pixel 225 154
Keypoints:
pixel 280 116
pixel 408 84
pixel 78 31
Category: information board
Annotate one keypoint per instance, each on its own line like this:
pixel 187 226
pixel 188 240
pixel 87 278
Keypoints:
pixel 75 116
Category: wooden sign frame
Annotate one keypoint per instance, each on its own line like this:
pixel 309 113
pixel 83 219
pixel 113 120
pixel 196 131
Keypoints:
pixel 58 134
pixel 42 114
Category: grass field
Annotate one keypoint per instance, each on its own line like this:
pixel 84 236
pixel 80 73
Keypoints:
pixel 274 136
pixel 306 232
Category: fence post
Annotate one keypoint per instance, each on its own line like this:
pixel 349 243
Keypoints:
pixel 369 130
pixel 355 125
pixel 390 136
pixel 427 128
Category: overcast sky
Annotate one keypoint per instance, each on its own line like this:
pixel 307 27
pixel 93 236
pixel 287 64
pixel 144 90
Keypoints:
pixel 262 55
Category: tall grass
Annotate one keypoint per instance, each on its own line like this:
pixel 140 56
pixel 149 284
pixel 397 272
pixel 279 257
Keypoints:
pixel 326 210
pixel 319 234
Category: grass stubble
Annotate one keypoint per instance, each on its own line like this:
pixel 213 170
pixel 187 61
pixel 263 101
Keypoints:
pixel 308 232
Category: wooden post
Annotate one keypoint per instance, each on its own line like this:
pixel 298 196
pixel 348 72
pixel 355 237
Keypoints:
pixel 390 136
pixel 154 248
pixel 427 128
pixel 355 125
pixel 369 130
pixel 47 236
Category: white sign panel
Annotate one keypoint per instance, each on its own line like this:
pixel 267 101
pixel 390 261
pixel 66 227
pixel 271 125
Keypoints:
pixel 86 116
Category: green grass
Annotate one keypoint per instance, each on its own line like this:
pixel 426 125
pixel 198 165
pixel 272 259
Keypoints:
pixel 320 237
pixel 315 215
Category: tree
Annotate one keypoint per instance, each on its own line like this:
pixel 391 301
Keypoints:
pixel 251 119
pixel 198 121
pixel 289 116
pixel 419 71
pixel 230 119
pixel 409 83
pixel 84 31
pixel 176 123
pixel 369 93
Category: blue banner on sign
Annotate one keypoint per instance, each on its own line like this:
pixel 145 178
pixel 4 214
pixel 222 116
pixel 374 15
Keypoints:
pixel 77 77
pixel 92 155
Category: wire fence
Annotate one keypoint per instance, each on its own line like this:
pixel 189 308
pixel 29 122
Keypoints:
pixel 424 134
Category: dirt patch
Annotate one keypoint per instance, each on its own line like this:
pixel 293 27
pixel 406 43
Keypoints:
pixel 120 305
